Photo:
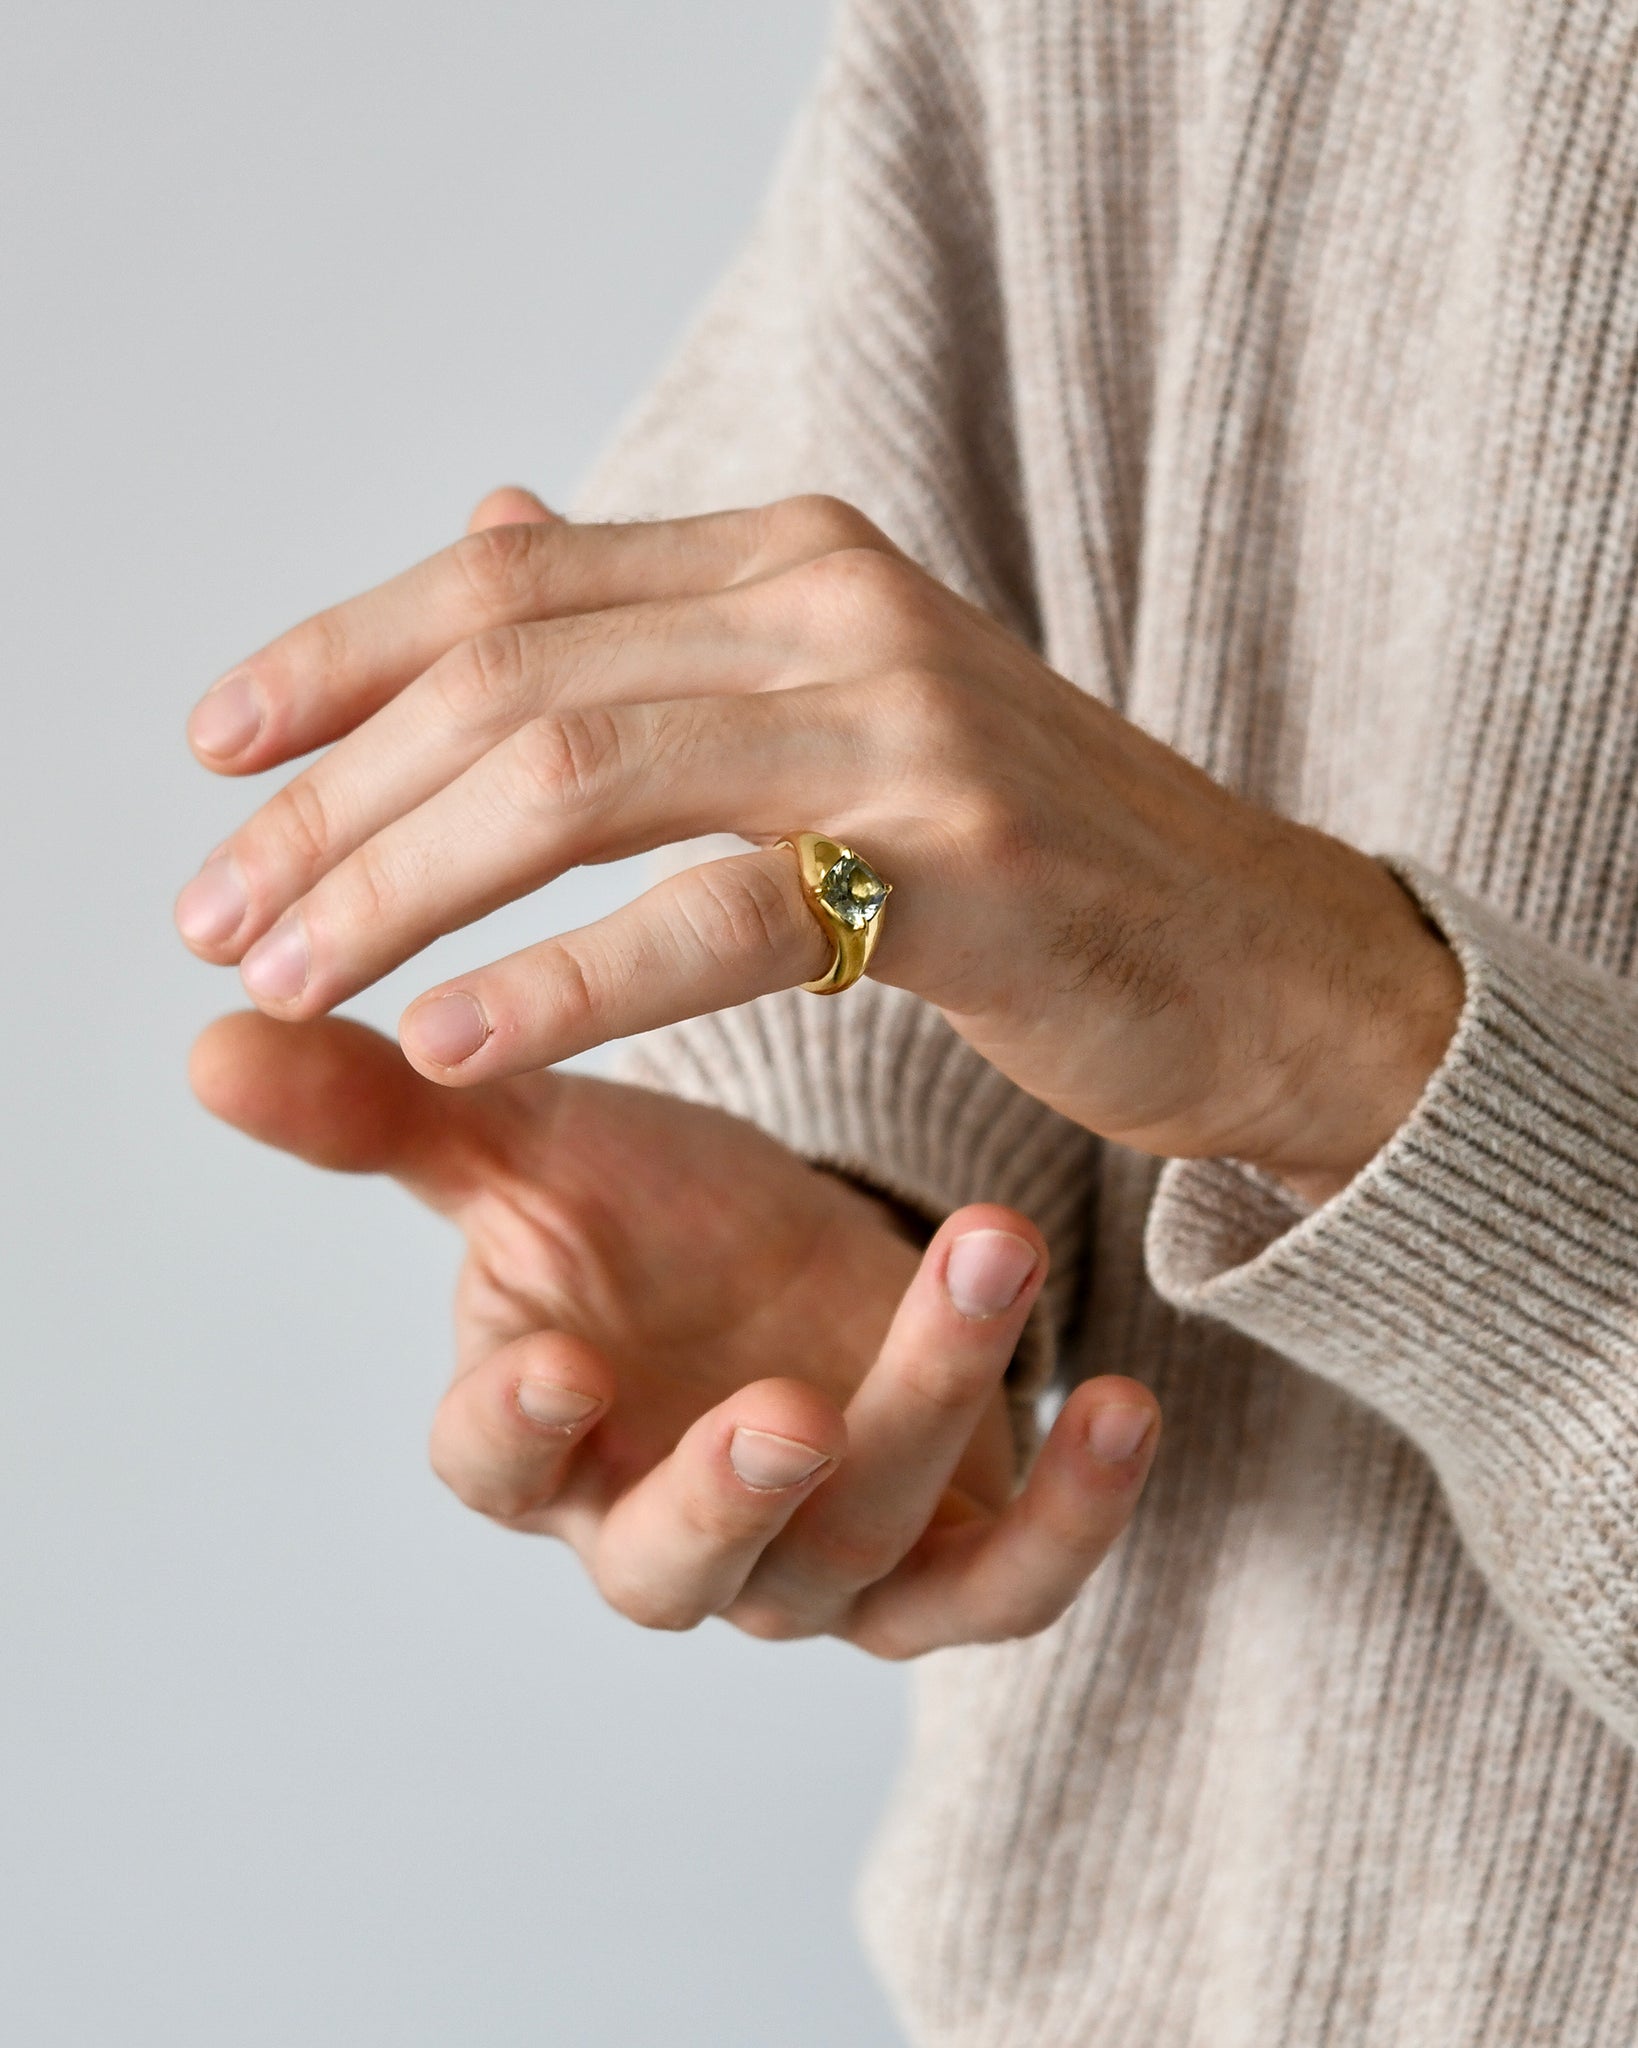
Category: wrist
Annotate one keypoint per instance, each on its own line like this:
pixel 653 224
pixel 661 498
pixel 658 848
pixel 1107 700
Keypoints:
pixel 1370 1040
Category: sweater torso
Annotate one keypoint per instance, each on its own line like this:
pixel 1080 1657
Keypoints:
pixel 1273 365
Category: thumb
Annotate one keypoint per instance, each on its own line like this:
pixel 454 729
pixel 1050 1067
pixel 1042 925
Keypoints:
pixel 340 1096
pixel 512 505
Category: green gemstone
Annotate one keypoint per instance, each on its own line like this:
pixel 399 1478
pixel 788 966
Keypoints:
pixel 852 891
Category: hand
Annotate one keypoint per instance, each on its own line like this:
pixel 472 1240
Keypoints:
pixel 634 1265
pixel 1157 959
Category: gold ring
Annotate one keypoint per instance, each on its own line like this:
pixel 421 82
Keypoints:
pixel 846 895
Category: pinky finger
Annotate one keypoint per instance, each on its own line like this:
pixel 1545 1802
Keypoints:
pixel 991 1581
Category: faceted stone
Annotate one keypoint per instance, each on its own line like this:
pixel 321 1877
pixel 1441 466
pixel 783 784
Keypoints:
pixel 853 891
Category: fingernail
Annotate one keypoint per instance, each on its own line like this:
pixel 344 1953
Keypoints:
pixel 446 1029
pixel 552 1406
pixel 212 907
pixel 228 717
pixel 986 1271
pixel 1116 1432
pixel 771 1463
pixel 275 968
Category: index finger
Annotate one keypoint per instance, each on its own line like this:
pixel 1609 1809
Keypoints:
pixel 507 1431
pixel 328 674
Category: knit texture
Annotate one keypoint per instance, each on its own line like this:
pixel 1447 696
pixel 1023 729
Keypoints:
pixel 1272 366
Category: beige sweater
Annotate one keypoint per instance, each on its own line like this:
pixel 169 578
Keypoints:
pixel 1273 366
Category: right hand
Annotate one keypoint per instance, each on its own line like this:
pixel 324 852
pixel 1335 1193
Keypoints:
pixel 635 1266
pixel 1160 961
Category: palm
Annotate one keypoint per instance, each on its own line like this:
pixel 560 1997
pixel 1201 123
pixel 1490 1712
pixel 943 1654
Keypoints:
pixel 694 1252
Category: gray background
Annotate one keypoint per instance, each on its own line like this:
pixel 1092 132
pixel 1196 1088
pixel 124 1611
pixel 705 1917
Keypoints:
pixel 292 1749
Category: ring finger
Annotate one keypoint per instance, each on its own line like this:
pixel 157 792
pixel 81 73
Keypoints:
pixel 709 938
pixel 678 1546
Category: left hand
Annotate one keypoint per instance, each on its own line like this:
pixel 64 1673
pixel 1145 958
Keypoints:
pixel 725 1377
pixel 1154 957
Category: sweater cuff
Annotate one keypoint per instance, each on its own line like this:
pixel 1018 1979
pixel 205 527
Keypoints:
pixel 877 1086
pixel 1477 1282
pixel 1504 1207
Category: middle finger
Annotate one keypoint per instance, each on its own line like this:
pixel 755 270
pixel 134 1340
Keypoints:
pixel 583 787
pixel 677 1547
pixel 909 1423
pixel 444 722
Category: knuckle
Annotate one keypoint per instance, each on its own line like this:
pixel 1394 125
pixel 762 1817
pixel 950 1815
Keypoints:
pixel 499 566
pixel 478 1487
pixel 361 894
pixel 447 1468
pixel 321 645
pixel 889 1641
pixel 1007 1613
pixel 862 583
pixel 859 599
pixel 738 910
pixel 566 760
pixel 900 1632
pixel 719 1522
pixel 480 680
pixel 848 1554
pixel 1002 837
pixel 769 1623
pixel 299 820
pixel 566 992
pixel 949 1384
pixel 663 1608
pixel 817 522
pixel 929 710
pixel 1025 1613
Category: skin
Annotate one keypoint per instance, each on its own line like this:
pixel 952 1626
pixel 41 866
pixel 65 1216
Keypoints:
pixel 1164 963
pixel 659 1258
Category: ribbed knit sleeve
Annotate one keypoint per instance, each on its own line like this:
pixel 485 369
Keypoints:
pixel 1477 1283
pixel 858 347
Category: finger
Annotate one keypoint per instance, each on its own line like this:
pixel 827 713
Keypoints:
pixel 340 1096
pixel 583 786
pixel 505 1434
pixel 677 1547
pixel 328 674
pixel 990 1581
pixel 449 719
pixel 511 505
pixel 707 939
pixel 910 1421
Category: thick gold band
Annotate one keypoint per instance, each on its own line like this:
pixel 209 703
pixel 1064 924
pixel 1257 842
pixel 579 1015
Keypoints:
pixel 846 895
